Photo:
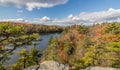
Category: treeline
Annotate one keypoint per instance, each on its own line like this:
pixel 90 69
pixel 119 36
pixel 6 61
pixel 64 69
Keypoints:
pixel 36 28
pixel 82 46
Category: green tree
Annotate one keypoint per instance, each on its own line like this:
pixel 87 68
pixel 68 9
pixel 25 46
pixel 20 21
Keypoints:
pixel 113 28
pixel 27 58
pixel 114 48
pixel 1 66
pixel 13 35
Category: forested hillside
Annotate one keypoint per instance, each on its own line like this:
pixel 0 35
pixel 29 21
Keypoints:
pixel 36 28
pixel 83 46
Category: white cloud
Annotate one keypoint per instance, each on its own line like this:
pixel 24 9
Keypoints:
pixel 70 16
pixel 15 20
pixel 43 19
pixel 111 9
pixel 101 16
pixel 87 18
pixel 31 4
pixel 19 11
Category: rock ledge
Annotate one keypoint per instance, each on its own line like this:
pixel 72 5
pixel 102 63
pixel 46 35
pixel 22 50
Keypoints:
pixel 48 65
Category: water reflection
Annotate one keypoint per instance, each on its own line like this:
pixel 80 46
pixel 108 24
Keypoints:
pixel 42 44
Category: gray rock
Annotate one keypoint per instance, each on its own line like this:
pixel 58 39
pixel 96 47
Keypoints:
pixel 48 65
pixel 100 68
pixel 52 65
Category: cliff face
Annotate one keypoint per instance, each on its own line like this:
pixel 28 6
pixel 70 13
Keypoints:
pixel 48 65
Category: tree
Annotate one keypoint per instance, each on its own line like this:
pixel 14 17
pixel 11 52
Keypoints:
pixel 84 46
pixel 14 36
pixel 113 28
pixel 1 66
pixel 114 48
pixel 27 58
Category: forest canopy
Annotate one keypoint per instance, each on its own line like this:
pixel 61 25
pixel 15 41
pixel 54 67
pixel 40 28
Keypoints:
pixel 83 46
pixel 79 46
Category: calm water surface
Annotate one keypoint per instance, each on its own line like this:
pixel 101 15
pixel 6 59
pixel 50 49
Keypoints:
pixel 42 44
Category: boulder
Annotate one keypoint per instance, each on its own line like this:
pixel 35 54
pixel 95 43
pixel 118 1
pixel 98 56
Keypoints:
pixel 48 65
pixel 53 65
pixel 100 68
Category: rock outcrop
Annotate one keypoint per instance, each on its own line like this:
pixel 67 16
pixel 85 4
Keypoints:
pixel 100 68
pixel 48 65
pixel 53 65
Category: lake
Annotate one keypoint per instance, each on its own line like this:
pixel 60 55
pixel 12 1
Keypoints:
pixel 42 44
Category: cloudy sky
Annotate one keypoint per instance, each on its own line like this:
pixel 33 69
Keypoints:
pixel 60 12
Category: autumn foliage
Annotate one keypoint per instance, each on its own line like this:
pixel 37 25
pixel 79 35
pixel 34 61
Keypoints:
pixel 82 46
